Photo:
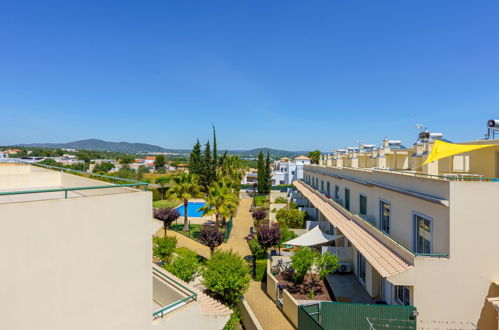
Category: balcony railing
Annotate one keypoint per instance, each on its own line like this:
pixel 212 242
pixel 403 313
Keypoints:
pixel 444 177
pixel 125 182
pixel 192 296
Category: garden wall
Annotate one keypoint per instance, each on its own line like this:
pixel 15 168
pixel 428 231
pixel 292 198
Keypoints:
pixel 289 304
pixel 248 317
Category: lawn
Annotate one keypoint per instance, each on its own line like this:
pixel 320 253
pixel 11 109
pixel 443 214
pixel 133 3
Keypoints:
pixel 261 200
pixel 192 233
pixel 166 203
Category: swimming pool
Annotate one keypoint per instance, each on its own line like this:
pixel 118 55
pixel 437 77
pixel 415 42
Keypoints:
pixel 192 209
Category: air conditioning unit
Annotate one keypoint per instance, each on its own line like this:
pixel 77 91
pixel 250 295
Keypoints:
pixel 345 267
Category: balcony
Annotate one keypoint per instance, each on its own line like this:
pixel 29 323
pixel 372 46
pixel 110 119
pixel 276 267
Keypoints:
pixel 25 183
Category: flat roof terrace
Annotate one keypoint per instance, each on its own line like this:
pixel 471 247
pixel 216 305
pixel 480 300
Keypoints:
pixel 25 183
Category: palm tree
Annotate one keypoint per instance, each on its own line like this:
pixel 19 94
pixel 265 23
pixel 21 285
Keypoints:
pixel 231 167
pixel 221 200
pixel 186 186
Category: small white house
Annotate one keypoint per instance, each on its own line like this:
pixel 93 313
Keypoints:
pixel 288 170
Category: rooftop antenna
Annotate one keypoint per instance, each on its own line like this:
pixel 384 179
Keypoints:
pixel 424 134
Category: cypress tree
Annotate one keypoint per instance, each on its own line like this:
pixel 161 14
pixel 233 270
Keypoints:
pixel 268 174
pixel 261 174
pixel 215 154
pixel 195 159
pixel 207 167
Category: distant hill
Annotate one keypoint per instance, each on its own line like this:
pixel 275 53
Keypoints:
pixel 127 147
pixel 274 153
pixel 100 145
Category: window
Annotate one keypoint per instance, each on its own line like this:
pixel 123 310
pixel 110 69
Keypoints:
pixel 402 294
pixel 423 234
pixel 361 266
pixel 336 192
pixel 362 204
pixel 328 188
pixel 384 216
pixel 347 199
pixel 322 185
pixel 292 172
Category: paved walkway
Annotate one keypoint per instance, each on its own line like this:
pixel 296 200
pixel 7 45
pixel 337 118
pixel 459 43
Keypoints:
pixel 266 311
pixel 241 225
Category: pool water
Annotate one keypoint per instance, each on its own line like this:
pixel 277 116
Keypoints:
pixel 192 209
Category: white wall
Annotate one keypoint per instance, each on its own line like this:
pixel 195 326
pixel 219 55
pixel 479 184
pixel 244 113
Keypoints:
pixel 78 263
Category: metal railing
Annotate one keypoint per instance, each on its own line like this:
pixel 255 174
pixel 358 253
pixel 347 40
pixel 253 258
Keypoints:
pixel 128 182
pixel 228 230
pixel 372 226
pixel 447 177
pixel 192 295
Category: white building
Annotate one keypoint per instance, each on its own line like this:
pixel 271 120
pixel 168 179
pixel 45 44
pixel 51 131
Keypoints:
pixel 76 254
pixel 288 170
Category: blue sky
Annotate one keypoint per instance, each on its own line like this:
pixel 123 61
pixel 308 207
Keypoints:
pixel 295 75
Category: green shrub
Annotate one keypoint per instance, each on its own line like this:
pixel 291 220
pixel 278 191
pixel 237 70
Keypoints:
pixel 260 269
pixel 260 200
pixel 326 264
pixel 256 249
pixel 163 247
pixel 302 261
pixel 281 200
pixel 156 196
pixel 234 321
pixel 291 218
pixel 184 265
pixel 286 235
pixel 292 205
pixel 165 204
pixel 227 274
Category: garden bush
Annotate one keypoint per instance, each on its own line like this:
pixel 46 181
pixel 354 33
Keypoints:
pixel 227 275
pixel 291 218
pixel 302 261
pixel 165 203
pixel 260 200
pixel 163 247
pixel 257 250
pixel 281 200
pixel 184 265
pixel 260 269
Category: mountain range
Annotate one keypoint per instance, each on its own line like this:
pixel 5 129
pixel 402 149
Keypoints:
pixel 127 147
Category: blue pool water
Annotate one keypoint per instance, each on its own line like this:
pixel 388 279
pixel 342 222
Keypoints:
pixel 192 209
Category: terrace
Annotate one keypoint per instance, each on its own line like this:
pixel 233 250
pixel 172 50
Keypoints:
pixel 21 182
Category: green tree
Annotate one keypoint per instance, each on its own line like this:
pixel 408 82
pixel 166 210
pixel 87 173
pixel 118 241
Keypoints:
pixel 141 171
pixel 291 218
pixel 326 264
pixel 268 174
pixel 184 265
pixel 163 247
pixel 314 156
pixel 50 162
pixel 195 161
pixel 159 161
pixel 162 181
pixel 83 156
pixel 221 200
pixel 103 167
pixel 207 169
pixel 228 275
pixel 186 186
pixel 127 159
pixel 215 151
pixel 262 174
pixel 302 261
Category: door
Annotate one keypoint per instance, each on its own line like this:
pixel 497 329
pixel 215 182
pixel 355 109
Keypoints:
pixel 347 199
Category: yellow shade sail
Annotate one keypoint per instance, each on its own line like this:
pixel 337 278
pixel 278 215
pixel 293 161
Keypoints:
pixel 444 149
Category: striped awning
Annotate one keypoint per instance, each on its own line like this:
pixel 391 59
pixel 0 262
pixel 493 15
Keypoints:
pixel 383 259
